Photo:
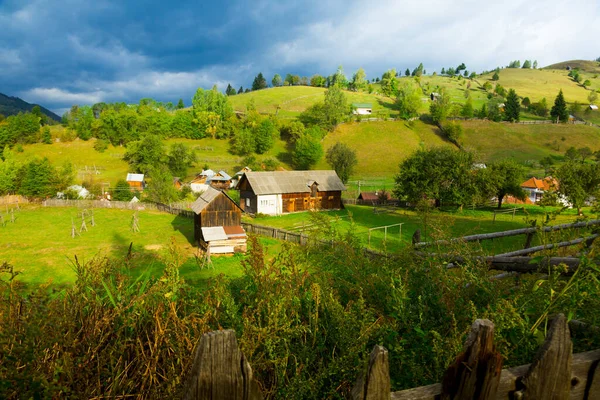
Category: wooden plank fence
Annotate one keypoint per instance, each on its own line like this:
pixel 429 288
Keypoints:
pixel 175 209
pixel 276 233
pixel 13 200
pixel 221 371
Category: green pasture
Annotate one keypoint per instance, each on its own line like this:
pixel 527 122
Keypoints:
pixel 290 101
pixel 40 245
pixel 433 224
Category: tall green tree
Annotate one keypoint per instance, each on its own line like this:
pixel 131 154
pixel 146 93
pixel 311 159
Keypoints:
pixel 407 72
pixel 180 104
pixel 439 174
pixel 439 108
pixel 578 182
pixel 277 81
pixel 408 100
pixel 359 80
pixel 559 110
pixel 122 191
pixel 143 155
pixel 389 83
pixel 502 178
pixel 526 64
pixel 496 76
pixel 308 150
pixel 264 135
pixel 230 91
pixel 180 158
pixel 512 108
pixel 342 159
pixel 259 82
pixel 160 186
pixel 467 109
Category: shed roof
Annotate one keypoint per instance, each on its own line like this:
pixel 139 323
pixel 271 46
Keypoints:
pixel 362 105
pixel 274 182
pixel 213 233
pixel 207 197
pixel 135 177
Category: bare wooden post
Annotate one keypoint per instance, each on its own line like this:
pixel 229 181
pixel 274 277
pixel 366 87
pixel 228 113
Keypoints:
pixel 374 384
pixel 220 371
pixel 549 376
pixel 475 374
pixel 528 240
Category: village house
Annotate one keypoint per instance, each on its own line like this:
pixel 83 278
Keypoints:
pixel 136 181
pixel 209 178
pixel 278 192
pixel 218 223
pixel 220 180
pixel 177 183
pixel 373 198
pixel 238 175
pixel 535 188
pixel 362 108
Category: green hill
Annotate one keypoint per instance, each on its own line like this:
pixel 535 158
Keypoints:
pixel 381 146
pixel 13 105
pixel 583 65
pixel 290 101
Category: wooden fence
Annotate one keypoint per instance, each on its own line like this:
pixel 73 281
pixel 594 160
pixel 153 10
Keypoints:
pixel 122 205
pixel 13 200
pixel 221 371
pixel 276 233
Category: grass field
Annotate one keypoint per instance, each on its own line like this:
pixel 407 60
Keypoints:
pixel 447 224
pixel 381 146
pixel 109 166
pixel 39 243
pixel 292 100
pixel 537 84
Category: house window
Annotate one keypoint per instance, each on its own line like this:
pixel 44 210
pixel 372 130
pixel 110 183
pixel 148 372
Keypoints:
pixel 247 202
pixel 264 203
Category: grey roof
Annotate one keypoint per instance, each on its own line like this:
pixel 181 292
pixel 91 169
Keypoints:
pixel 293 181
pixel 213 233
pixel 135 177
pixel 206 198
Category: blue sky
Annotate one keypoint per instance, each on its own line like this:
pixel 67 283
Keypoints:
pixel 59 53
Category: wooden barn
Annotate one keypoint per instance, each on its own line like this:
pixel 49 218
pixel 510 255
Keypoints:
pixel 218 223
pixel 135 181
pixel 278 192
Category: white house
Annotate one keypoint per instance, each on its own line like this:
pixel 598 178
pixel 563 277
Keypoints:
pixel 202 181
pixel 362 108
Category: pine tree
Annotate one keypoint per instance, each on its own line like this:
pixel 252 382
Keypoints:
pixel 559 110
pixel 259 82
pixel 240 90
pixel 512 108
pixel 496 76
pixel 180 104
pixel 407 72
pixel 230 91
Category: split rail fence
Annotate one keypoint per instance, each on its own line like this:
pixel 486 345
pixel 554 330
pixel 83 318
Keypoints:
pixel 220 371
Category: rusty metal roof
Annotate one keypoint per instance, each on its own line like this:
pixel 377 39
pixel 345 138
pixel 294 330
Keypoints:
pixel 275 182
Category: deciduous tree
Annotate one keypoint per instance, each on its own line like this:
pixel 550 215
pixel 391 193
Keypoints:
pixel 408 100
pixel 308 150
pixel 277 81
pixel 342 159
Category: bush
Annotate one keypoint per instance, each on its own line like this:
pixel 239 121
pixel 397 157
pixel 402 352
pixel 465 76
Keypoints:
pixel 101 145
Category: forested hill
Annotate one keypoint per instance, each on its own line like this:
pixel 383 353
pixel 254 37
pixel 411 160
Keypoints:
pixel 14 105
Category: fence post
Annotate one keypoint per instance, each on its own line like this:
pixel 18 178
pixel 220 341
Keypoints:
pixel 549 376
pixel 220 371
pixel 374 383
pixel 475 374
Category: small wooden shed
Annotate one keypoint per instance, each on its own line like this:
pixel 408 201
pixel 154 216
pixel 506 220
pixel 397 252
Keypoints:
pixel 218 223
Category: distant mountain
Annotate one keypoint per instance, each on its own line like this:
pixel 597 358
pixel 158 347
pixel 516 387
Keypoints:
pixel 14 105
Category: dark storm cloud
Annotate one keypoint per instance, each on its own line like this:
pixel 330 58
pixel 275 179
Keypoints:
pixel 62 52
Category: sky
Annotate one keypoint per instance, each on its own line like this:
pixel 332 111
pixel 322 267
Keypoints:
pixel 59 53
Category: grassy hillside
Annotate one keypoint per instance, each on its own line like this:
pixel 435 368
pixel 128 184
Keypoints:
pixel 583 65
pixel 109 166
pixel 537 84
pixel 292 100
pixel 381 146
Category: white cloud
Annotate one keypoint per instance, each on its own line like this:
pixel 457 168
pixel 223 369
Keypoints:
pixel 114 54
pixel 399 34
pixel 62 97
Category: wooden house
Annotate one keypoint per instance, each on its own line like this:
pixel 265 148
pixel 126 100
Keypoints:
pixel 220 180
pixel 177 183
pixel 200 182
pixel 278 192
pixel 218 223
pixel 136 181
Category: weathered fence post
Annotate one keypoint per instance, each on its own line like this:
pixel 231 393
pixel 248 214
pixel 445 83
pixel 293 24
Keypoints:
pixel 374 384
pixel 549 376
pixel 475 374
pixel 220 371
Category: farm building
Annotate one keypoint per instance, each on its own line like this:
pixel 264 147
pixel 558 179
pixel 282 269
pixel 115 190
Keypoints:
pixel 593 107
pixel 279 192
pixel 136 181
pixel 362 108
pixel 177 183
pixel 217 224
pixel 535 187
pixel 209 178
pixel 220 180
pixel 238 175
pixel 374 197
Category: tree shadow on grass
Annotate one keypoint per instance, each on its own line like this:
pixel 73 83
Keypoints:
pixel 139 259
pixel 185 226
pixel 389 106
